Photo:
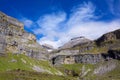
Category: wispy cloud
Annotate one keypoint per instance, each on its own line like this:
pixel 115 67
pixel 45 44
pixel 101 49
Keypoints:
pixel 27 22
pixel 57 29
pixel 114 7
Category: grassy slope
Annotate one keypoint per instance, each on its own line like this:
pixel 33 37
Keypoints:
pixel 27 75
pixel 112 75
pixel 77 68
pixel 19 70
pixel 22 62
pixel 19 67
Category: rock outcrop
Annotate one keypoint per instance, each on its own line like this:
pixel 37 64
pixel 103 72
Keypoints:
pixel 14 39
pixel 109 37
pixel 86 58
pixel 102 69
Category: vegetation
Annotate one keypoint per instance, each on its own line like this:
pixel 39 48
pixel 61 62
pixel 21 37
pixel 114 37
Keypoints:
pixel 22 62
pixel 78 70
pixel 27 75
pixel 75 69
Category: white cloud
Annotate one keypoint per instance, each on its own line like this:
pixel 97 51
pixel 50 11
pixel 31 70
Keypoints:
pixel 93 30
pixel 49 26
pixel 27 22
pixel 82 13
pixel 57 29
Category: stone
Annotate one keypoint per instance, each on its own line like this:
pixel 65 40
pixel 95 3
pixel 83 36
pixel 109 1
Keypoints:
pixel 71 59
pixel 111 36
pixel 102 69
pixel 14 39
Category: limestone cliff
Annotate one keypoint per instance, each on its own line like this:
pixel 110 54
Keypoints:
pixel 14 39
pixel 86 58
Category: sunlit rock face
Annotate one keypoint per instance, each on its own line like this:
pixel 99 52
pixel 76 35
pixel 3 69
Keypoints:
pixel 14 39
pixel 75 41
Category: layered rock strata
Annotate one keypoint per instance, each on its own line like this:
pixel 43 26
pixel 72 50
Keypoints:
pixel 14 39
pixel 85 58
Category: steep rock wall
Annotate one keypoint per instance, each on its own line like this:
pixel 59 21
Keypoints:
pixel 86 58
pixel 14 39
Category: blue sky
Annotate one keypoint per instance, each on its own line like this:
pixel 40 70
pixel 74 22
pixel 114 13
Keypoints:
pixel 57 21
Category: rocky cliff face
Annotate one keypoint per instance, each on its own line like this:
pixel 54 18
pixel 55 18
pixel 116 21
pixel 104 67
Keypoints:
pixel 86 58
pixel 14 39
pixel 110 37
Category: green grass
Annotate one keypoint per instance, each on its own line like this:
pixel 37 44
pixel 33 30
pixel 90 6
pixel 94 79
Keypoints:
pixel 23 62
pixel 27 75
pixel 21 69
pixel 76 68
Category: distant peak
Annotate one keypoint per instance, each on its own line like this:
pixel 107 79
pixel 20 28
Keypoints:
pixel 81 37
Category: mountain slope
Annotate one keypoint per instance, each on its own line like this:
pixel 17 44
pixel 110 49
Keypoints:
pixel 23 62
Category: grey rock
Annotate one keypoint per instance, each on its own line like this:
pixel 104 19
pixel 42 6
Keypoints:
pixel 14 39
pixel 85 58
pixel 71 59
pixel 107 67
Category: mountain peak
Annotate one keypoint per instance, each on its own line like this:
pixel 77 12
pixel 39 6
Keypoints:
pixel 75 41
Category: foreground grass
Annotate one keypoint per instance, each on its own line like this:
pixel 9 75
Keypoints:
pixel 77 70
pixel 20 67
pixel 23 62
pixel 27 75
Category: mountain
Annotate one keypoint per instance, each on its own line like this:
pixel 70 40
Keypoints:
pixel 19 50
pixel 83 49
pixel 22 58
pixel 90 60
pixel 75 41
